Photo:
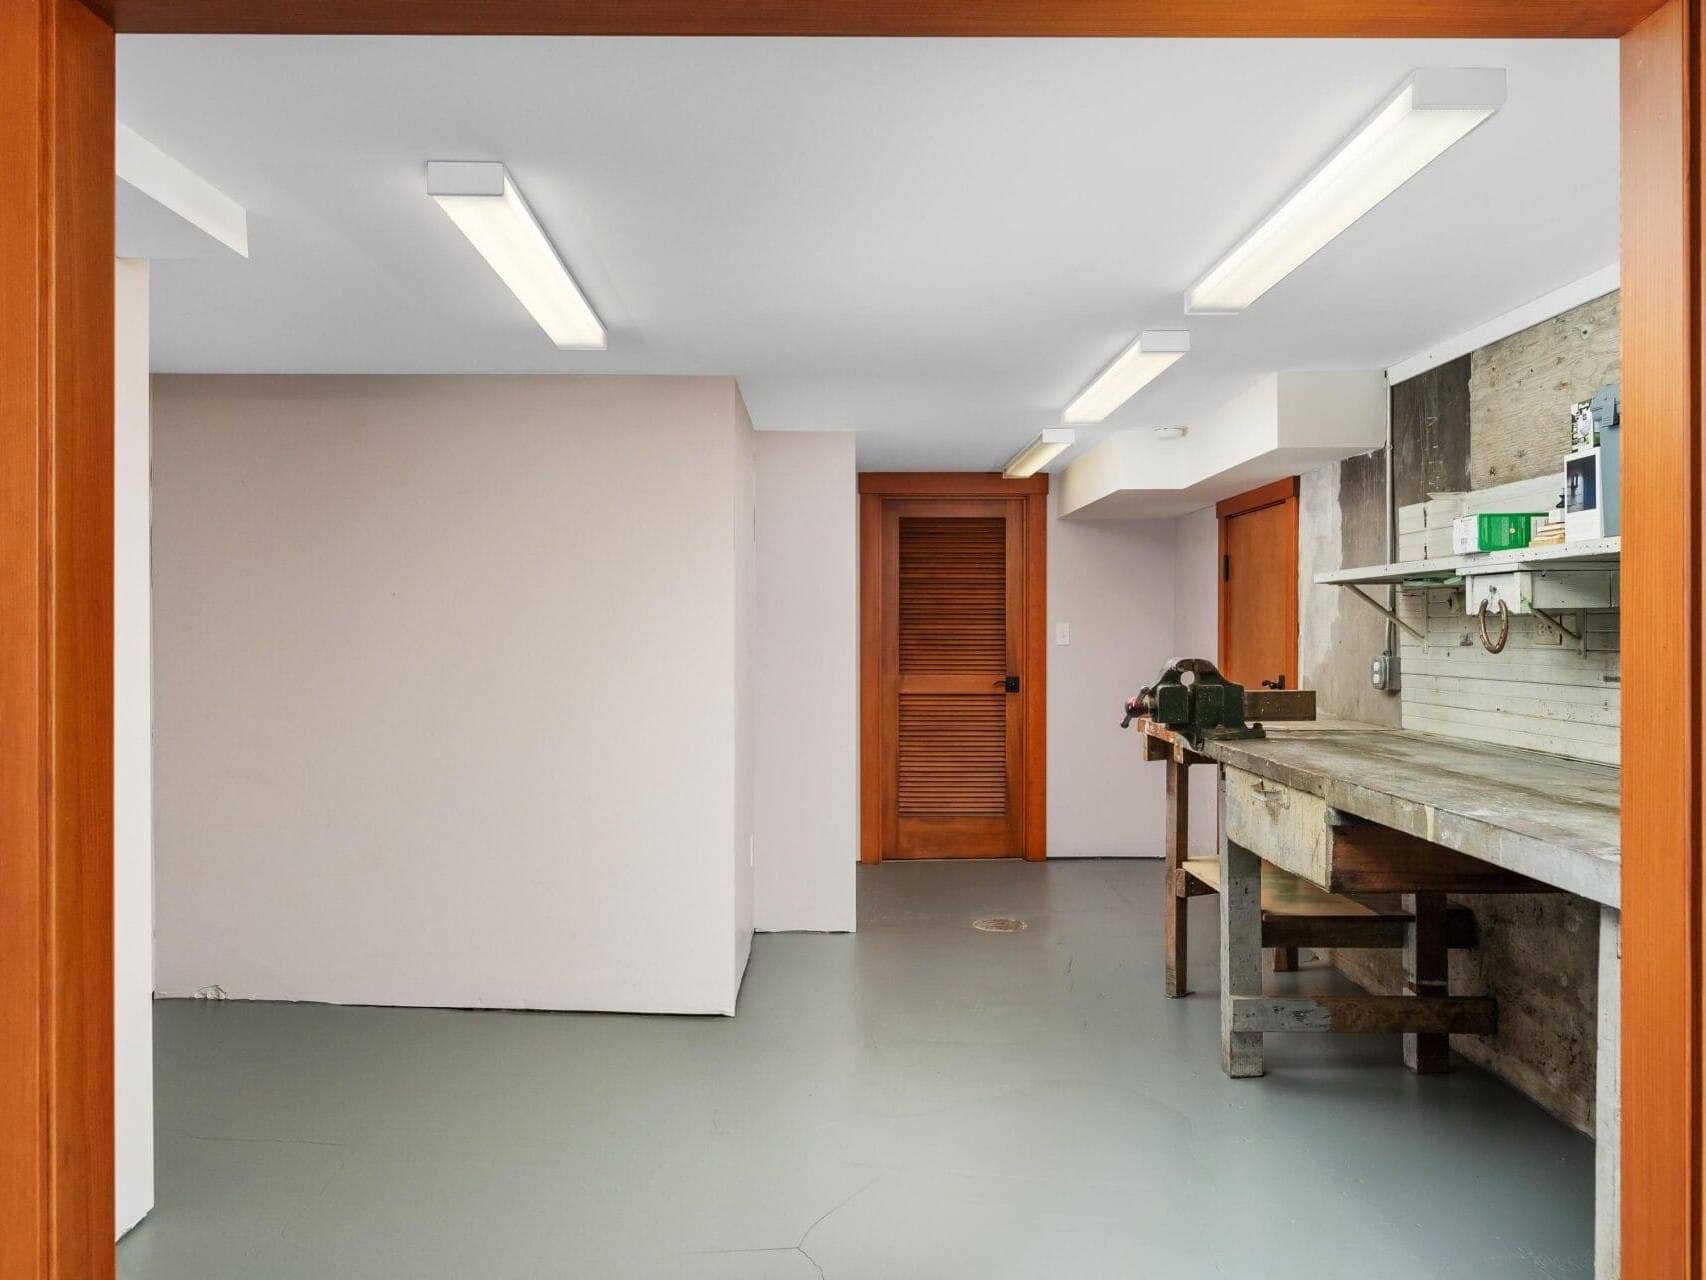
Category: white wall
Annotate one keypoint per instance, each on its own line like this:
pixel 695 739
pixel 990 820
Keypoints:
pixel 744 539
pixel 1111 582
pixel 1196 634
pixel 449 689
pixel 133 817
pixel 808 696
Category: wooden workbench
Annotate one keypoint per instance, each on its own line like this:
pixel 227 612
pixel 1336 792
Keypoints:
pixel 1361 809
pixel 1544 817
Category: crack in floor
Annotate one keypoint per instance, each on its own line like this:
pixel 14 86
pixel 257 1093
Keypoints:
pixel 800 1246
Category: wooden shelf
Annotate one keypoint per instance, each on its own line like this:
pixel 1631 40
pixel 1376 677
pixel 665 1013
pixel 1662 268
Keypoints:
pixel 1599 552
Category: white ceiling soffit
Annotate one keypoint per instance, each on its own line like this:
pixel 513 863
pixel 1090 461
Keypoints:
pixel 1286 423
pixel 935 244
pixel 166 210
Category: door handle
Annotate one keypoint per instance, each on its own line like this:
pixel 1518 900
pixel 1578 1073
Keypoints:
pixel 1275 684
pixel 1010 684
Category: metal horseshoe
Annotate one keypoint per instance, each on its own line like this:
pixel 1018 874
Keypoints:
pixel 1504 627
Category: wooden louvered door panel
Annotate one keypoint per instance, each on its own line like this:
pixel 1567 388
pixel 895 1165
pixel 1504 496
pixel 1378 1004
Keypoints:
pixel 956 583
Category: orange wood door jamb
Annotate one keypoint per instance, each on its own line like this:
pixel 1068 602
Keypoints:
pixel 56 664
pixel 875 728
pixel 56 105
pixel 1661 586
pixel 1321 18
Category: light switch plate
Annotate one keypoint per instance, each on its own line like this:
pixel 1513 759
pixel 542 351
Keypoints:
pixel 1063 633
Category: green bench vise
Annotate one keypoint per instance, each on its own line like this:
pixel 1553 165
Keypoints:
pixel 1192 699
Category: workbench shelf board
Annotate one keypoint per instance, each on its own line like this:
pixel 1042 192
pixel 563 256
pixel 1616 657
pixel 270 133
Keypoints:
pixel 1597 552
pixel 1552 819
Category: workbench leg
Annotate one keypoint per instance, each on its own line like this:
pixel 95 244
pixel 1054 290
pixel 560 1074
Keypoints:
pixel 1240 949
pixel 1176 926
pixel 1608 1103
pixel 1285 959
pixel 1426 975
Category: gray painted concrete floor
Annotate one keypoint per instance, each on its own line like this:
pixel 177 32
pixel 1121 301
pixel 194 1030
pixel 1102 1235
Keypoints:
pixel 921 1100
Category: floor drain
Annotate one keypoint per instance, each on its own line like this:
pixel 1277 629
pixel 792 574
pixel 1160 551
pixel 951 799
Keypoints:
pixel 999 924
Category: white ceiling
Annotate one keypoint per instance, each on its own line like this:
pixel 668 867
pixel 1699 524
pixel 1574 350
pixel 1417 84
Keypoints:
pixel 934 243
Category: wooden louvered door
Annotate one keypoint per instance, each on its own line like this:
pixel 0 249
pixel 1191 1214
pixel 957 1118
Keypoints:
pixel 954 573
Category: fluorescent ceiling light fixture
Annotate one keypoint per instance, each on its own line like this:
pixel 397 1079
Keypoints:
pixel 1431 110
pixel 1049 445
pixel 483 202
pixel 1132 370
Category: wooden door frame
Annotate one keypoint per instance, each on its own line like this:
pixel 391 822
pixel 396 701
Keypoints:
pixel 1275 494
pixel 875 487
pixel 56 638
pixel 56 244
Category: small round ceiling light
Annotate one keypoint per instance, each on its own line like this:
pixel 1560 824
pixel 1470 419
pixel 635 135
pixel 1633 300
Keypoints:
pixel 1169 433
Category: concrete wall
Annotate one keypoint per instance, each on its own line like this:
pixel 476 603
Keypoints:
pixel 1430 433
pixel 449 689
pixel 133 785
pixel 1342 523
pixel 808 693
pixel 1196 634
pixel 1538 955
pixel 1521 389
pixel 1110 582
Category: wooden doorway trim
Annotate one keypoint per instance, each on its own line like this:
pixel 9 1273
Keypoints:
pixel 1321 18
pixel 55 332
pixel 1661 87
pixel 874 489
pixel 56 595
pixel 1278 493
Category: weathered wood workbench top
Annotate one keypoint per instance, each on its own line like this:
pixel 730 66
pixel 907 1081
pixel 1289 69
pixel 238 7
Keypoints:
pixel 1551 819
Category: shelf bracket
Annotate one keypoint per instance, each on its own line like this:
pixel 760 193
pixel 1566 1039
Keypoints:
pixel 1580 637
pixel 1380 608
pixel 1556 621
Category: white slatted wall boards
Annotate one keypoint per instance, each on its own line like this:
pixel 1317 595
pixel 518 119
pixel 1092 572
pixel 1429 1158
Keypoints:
pixel 1540 696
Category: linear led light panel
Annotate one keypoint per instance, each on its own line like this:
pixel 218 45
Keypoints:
pixel 484 203
pixel 1431 110
pixel 1049 445
pixel 1132 370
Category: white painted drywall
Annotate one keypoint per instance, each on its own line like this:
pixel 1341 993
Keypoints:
pixel 448 689
pixel 744 550
pixel 808 690
pixel 1111 583
pixel 1196 634
pixel 133 819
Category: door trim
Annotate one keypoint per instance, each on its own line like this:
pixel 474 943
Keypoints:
pixel 1661 146
pixel 1324 19
pixel 1266 495
pixel 1280 492
pixel 875 487
pixel 56 661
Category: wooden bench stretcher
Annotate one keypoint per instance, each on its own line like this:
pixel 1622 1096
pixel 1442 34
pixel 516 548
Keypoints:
pixel 1297 914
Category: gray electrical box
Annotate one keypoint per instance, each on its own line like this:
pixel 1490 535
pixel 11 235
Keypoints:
pixel 1383 673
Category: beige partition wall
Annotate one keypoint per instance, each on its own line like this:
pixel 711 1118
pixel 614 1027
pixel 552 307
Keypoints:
pixel 451 686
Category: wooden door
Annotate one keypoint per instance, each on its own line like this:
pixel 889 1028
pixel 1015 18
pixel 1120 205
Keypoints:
pixel 1258 587
pixel 957 765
